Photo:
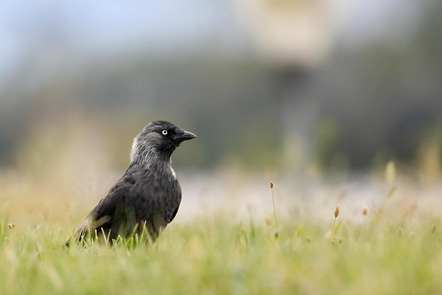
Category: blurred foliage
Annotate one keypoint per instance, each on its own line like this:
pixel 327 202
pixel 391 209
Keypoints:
pixel 371 103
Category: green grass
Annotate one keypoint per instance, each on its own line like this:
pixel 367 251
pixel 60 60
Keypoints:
pixel 384 254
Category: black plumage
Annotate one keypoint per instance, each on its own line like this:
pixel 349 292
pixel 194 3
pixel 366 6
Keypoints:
pixel 148 195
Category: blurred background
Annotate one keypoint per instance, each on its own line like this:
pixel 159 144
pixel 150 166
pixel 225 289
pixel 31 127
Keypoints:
pixel 280 88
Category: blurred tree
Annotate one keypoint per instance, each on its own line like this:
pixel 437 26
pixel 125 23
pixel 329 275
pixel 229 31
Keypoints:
pixel 293 37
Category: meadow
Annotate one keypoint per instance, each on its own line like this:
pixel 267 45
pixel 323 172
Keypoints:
pixel 389 244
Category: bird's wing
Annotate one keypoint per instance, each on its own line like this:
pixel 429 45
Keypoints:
pixel 104 213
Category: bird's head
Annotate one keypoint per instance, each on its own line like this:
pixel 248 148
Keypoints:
pixel 158 139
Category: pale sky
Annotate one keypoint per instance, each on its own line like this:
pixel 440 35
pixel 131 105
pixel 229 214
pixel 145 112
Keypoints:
pixel 94 28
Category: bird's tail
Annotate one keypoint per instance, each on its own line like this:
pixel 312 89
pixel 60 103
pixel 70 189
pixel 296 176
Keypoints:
pixel 88 227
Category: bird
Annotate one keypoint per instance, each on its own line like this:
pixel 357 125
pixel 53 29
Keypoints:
pixel 148 195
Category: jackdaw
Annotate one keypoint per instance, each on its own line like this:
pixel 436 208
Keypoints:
pixel 148 195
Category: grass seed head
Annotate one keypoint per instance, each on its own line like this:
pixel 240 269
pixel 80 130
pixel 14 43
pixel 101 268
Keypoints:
pixel 272 184
pixel 390 172
pixel 11 225
pixel 365 210
pixel 433 229
pixel 268 222
pixel 337 211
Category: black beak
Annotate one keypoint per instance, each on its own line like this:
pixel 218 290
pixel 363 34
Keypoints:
pixel 185 135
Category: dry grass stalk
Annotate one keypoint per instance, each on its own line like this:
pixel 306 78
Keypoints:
pixel 336 213
pixel 272 184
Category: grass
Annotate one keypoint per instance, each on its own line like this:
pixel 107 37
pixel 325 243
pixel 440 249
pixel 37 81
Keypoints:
pixel 212 255
pixel 394 247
